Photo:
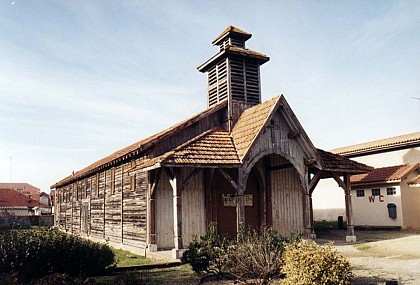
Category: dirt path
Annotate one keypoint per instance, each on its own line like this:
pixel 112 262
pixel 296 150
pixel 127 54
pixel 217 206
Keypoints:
pixel 382 256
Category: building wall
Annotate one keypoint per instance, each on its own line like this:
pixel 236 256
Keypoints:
pixel 410 200
pixel 193 209
pixel 286 201
pixel 390 158
pixel 372 211
pixel 107 206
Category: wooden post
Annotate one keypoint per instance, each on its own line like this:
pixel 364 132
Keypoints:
pixel 307 232
pixel 240 205
pixel 175 181
pixel 151 210
pixel 349 210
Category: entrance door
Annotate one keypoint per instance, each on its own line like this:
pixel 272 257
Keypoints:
pixel 224 203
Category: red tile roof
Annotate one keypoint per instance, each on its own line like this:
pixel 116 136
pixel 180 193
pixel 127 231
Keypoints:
pixel 415 181
pixel 385 174
pixel 383 144
pixel 13 198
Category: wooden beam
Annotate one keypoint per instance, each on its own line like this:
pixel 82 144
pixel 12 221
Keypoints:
pixel 240 205
pixel 227 176
pixel 155 181
pixel 190 178
pixel 314 181
pixel 338 180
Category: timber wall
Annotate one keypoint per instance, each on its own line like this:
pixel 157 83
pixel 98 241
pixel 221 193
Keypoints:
pixel 108 206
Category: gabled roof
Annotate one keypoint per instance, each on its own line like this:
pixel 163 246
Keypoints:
pixel 402 141
pixel 214 147
pixel 136 148
pixel 12 198
pixel 385 174
pixel 251 123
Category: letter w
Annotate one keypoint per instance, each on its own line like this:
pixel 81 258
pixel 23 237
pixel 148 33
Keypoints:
pixel 371 199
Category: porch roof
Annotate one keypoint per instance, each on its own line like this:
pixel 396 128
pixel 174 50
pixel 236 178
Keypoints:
pixel 337 163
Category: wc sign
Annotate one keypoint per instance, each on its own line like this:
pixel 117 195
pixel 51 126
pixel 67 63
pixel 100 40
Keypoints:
pixel 372 198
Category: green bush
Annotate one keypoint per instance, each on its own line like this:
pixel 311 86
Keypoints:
pixel 36 253
pixel 209 254
pixel 258 255
pixel 306 262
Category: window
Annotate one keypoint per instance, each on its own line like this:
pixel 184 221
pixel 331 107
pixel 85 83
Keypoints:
pixel 360 193
pixel 376 192
pixel 133 182
pixel 97 185
pixel 391 191
pixel 112 181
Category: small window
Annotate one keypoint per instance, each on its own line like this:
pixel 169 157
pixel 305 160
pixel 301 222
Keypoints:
pixel 133 182
pixel 112 181
pixel 376 192
pixel 391 191
pixel 97 185
pixel 360 193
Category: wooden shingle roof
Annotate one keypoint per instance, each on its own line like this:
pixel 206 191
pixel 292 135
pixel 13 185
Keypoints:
pixel 231 30
pixel 412 139
pixel 140 146
pixel 385 174
pixel 250 124
pixel 212 148
pixel 337 163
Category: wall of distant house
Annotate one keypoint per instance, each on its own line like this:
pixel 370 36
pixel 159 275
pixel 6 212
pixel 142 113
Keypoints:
pixel 411 203
pixel 390 158
pixel 371 208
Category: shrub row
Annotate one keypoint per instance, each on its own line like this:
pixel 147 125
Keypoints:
pixel 262 256
pixel 34 253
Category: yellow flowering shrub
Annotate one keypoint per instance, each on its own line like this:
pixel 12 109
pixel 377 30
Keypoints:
pixel 306 262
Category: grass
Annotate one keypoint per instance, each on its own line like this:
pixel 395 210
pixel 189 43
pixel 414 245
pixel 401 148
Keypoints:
pixel 324 225
pixel 125 258
pixel 362 246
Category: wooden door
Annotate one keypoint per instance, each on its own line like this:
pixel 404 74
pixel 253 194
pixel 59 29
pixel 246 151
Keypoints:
pixel 224 203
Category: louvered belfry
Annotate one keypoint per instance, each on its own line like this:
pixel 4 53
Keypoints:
pixel 234 73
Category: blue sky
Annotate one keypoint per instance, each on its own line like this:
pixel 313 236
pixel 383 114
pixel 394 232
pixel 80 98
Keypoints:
pixel 82 79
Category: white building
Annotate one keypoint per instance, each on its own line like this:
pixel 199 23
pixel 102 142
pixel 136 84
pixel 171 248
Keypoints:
pixel 383 198
pixel 394 151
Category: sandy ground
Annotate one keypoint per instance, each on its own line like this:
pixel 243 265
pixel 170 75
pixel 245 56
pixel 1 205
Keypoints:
pixel 380 256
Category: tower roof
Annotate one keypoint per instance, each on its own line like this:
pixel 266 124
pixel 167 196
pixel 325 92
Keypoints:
pixel 235 32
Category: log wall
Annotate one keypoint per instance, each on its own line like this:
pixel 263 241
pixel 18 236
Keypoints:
pixel 108 206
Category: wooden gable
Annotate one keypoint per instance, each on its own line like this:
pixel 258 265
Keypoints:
pixel 272 127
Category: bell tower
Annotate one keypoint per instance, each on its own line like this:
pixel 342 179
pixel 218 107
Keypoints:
pixel 233 74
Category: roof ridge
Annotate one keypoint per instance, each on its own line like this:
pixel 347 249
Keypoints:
pixel 145 143
pixel 380 143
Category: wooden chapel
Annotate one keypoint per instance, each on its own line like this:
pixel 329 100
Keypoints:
pixel 240 162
